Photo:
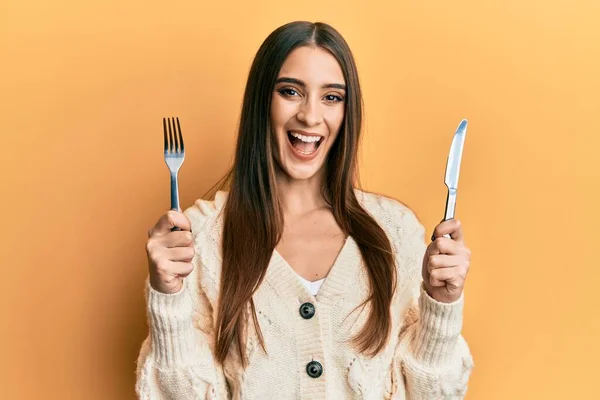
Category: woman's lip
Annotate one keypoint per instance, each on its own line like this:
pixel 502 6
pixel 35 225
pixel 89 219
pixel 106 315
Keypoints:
pixel 301 156
pixel 305 133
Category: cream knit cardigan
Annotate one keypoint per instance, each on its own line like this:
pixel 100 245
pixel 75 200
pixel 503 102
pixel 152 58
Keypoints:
pixel 425 358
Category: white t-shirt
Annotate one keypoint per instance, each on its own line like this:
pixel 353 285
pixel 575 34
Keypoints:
pixel 313 287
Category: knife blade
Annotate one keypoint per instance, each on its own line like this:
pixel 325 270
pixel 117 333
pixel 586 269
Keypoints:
pixel 453 170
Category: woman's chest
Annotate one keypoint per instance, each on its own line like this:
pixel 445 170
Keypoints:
pixel 311 245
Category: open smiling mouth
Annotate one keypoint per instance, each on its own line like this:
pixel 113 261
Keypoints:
pixel 304 144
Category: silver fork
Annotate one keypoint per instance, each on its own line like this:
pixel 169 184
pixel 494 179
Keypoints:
pixel 174 156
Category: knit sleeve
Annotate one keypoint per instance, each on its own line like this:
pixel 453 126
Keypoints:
pixel 432 359
pixel 176 359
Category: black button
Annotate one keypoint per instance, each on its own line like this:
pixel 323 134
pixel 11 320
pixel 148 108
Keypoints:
pixel 314 369
pixel 307 310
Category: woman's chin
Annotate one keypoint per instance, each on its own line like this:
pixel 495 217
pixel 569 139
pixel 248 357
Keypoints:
pixel 301 172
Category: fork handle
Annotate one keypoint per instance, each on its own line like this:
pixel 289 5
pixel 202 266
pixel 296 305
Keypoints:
pixel 174 197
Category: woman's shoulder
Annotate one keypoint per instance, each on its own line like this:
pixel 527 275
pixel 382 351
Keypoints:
pixel 383 205
pixel 394 216
pixel 204 210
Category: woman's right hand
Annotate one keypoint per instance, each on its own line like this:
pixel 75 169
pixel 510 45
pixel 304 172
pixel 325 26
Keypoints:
pixel 170 253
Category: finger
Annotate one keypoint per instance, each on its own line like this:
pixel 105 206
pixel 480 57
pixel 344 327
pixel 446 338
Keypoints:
pixel 444 245
pixel 169 220
pixel 443 261
pixel 183 254
pixel 176 239
pixel 446 277
pixel 450 227
pixel 182 269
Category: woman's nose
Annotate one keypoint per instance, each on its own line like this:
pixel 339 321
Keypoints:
pixel 310 113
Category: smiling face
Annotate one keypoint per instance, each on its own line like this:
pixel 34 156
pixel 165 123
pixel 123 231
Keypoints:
pixel 307 110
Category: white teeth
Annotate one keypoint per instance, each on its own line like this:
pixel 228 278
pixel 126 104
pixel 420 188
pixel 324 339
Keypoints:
pixel 307 139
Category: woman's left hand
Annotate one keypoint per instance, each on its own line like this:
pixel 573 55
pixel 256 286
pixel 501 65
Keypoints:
pixel 446 263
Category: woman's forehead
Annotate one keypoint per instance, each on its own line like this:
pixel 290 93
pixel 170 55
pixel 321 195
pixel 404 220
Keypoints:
pixel 315 66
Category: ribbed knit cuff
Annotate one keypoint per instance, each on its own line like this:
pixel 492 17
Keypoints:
pixel 439 327
pixel 171 326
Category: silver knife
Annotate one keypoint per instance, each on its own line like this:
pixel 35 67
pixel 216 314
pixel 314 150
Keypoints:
pixel 453 170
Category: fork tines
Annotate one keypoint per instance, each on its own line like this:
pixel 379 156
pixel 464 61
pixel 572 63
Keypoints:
pixel 174 141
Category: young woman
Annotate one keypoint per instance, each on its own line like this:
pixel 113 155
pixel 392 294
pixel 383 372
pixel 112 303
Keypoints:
pixel 293 283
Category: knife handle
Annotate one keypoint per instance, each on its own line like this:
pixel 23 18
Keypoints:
pixel 450 204
pixel 450 207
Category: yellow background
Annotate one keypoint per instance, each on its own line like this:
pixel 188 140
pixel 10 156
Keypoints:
pixel 84 86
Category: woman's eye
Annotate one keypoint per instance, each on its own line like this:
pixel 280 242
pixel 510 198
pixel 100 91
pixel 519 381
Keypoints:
pixel 333 98
pixel 288 92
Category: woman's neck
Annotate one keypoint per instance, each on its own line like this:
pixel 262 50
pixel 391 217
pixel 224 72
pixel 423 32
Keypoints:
pixel 299 196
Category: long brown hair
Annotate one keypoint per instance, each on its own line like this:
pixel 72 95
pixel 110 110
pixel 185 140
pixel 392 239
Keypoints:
pixel 253 220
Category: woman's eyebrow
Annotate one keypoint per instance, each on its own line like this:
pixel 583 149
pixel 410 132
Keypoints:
pixel 301 83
